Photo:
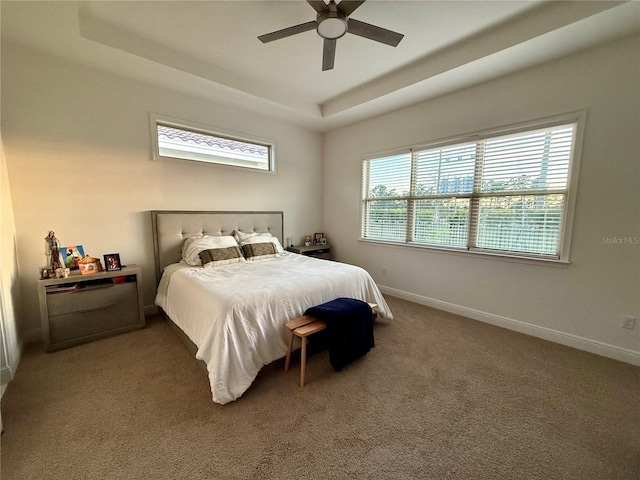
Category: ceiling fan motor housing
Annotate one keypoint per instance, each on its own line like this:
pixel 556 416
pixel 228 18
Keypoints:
pixel 332 23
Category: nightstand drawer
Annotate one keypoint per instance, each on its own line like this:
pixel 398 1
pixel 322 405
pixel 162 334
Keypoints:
pixel 107 318
pixel 91 298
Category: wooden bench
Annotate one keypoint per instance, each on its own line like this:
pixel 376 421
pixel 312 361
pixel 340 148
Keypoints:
pixel 302 327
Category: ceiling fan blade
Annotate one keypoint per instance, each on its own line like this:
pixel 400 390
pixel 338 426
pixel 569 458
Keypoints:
pixel 287 32
pixel 372 32
pixel 328 54
pixel 348 6
pixel 318 5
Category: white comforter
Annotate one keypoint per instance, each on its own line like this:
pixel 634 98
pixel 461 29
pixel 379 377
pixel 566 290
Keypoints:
pixel 235 313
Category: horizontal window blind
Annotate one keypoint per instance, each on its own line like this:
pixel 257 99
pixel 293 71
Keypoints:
pixel 442 222
pixel 386 188
pixel 532 161
pixel 505 194
pixel 522 223
pixel 445 170
pixel 389 176
pixel 387 220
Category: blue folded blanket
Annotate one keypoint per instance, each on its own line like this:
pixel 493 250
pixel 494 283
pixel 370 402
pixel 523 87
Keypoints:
pixel 349 329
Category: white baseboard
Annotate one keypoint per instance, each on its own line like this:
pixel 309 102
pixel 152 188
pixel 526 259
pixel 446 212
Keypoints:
pixel 570 340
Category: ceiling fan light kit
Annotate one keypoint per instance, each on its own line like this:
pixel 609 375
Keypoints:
pixel 332 26
pixel 332 22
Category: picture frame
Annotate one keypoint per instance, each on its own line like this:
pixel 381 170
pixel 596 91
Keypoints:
pixel 112 262
pixel 323 241
pixel 317 238
pixel 46 273
pixel 71 255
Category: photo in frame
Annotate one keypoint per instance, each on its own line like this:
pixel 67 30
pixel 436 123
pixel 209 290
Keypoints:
pixel 112 262
pixel 317 238
pixel 71 256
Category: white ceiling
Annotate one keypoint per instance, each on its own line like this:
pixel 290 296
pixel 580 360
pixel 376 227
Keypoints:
pixel 210 49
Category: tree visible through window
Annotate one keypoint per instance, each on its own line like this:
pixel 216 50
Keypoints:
pixel 504 194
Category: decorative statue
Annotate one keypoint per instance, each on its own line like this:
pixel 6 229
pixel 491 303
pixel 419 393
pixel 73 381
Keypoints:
pixel 52 251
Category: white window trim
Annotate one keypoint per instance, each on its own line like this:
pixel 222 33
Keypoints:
pixel 577 117
pixel 155 119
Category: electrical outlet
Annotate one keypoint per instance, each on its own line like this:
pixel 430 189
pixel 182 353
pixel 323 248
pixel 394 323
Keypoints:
pixel 384 270
pixel 628 322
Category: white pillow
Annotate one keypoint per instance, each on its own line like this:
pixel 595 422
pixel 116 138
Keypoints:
pixel 261 238
pixel 194 245
pixel 189 241
pixel 241 237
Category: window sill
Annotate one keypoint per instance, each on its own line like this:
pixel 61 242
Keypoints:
pixel 484 254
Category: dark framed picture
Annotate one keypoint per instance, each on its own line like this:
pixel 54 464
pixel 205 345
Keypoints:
pixel 71 256
pixel 317 238
pixel 112 262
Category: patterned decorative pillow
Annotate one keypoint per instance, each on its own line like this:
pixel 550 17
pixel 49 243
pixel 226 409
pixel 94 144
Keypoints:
pixel 215 257
pixel 192 246
pixel 263 239
pixel 259 251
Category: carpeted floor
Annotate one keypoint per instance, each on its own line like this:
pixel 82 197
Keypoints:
pixel 439 397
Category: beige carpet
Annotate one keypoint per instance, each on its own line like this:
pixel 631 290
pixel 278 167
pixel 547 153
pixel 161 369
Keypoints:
pixel 439 397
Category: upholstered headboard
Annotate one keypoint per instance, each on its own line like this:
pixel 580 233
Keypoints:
pixel 171 227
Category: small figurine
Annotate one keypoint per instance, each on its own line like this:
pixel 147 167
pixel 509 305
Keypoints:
pixel 52 252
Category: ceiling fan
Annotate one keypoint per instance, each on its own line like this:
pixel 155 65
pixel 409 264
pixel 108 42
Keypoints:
pixel 331 23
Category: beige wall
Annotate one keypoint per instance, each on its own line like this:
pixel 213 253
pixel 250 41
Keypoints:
pixel 77 145
pixel 581 305
pixel 78 160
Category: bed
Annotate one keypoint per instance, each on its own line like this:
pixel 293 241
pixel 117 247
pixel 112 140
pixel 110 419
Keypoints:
pixel 231 312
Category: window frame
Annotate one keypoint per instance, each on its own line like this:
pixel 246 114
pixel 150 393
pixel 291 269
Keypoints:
pixel 566 226
pixel 199 128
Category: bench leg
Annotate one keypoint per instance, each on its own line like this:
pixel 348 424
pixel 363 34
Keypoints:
pixel 303 360
pixel 288 359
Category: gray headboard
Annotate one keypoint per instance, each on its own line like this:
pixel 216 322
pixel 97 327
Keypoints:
pixel 171 227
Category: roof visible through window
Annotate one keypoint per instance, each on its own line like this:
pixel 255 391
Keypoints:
pixel 174 142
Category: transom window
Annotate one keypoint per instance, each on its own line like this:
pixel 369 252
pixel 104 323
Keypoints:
pixel 176 141
pixel 503 193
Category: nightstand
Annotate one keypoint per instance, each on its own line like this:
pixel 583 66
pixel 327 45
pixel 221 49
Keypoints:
pixel 315 251
pixel 82 308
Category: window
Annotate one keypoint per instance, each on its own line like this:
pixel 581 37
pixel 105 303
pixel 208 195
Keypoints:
pixel 502 192
pixel 172 139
